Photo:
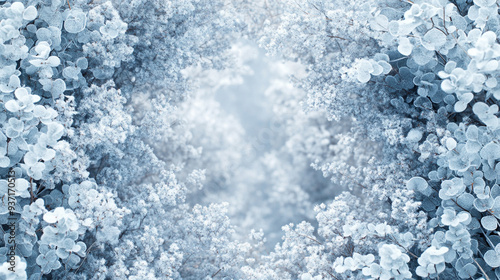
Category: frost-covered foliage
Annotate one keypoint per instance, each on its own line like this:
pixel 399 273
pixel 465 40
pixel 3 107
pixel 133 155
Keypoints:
pixel 173 35
pixel 113 143
pixel 417 78
pixel 87 167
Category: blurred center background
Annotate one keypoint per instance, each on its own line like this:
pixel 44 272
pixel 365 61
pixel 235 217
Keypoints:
pixel 247 119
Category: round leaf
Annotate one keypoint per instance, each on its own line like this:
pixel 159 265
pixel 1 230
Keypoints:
pixel 417 183
pixel 405 47
pixel 75 22
pixel 433 39
pixel 492 258
pixel 489 222
pixel 30 13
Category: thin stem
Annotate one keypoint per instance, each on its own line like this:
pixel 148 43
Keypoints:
pixel 482 270
pixel 213 275
pixel 86 255
pixel 31 190
pixel 444 21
